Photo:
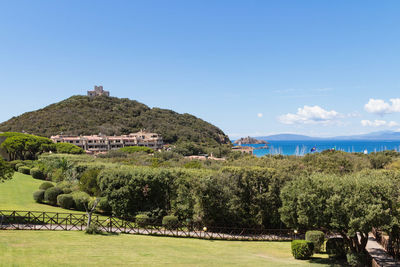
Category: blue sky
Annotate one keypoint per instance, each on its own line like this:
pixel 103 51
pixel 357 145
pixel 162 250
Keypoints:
pixel 320 68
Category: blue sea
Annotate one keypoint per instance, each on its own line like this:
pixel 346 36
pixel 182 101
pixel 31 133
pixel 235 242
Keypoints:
pixel 301 148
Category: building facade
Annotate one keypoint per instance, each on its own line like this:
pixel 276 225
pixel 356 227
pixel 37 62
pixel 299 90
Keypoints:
pixel 103 143
pixel 98 91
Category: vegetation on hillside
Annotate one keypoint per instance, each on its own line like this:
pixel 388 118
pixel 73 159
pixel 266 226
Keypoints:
pixel 110 115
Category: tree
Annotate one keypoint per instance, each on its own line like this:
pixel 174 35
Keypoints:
pixel 6 171
pixel 350 205
pixel 24 146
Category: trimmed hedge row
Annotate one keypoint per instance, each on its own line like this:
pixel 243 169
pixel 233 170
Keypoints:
pixel 318 238
pixel 302 249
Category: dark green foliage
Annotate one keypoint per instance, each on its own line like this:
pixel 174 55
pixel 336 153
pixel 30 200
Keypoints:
pixel 335 247
pixel 193 164
pixel 24 170
pixel 81 200
pixel 380 159
pixel 104 206
pixel 66 148
pixel 134 149
pixel 65 201
pixel 93 229
pixel 19 164
pixel 46 185
pixel 6 170
pixel 51 194
pixel 23 146
pixel 37 173
pixel 109 115
pixel 170 222
pixel 318 238
pixel 356 259
pixel 188 148
pixel 302 249
pixel 88 182
pixel 38 196
pixel 142 220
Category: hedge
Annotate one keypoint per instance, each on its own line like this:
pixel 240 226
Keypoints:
pixel 142 220
pixel 24 170
pixel 37 173
pixel 335 247
pixel 318 238
pixel 104 206
pixel 302 249
pixel 51 194
pixel 45 185
pixel 170 222
pixel 38 196
pixel 65 201
pixel 81 200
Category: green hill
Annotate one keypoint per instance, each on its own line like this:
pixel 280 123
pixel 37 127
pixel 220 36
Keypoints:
pixel 110 115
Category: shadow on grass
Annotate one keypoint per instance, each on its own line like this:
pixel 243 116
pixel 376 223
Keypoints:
pixel 327 261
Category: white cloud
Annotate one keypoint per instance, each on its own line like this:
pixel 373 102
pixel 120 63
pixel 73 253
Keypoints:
pixel 380 107
pixel 310 115
pixel 260 115
pixel 378 123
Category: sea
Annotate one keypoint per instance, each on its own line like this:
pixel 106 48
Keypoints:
pixel 300 148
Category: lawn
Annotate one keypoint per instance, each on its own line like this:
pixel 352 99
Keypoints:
pixel 74 248
pixel 55 248
pixel 16 194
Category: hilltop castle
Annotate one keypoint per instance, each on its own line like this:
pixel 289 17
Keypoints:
pixel 98 91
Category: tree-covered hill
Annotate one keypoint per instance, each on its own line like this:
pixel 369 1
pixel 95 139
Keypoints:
pixel 110 115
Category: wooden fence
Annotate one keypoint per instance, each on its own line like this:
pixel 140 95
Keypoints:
pixel 36 220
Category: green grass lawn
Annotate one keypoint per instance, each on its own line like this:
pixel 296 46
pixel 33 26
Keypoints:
pixel 16 194
pixel 59 248
pixel 74 248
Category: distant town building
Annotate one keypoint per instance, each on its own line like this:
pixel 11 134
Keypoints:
pixel 103 143
pixel 98 91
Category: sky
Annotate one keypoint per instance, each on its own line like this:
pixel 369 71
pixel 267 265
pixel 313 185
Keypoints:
pixel 320 68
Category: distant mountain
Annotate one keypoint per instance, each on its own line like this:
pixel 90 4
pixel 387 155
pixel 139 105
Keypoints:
pixel 287 137
pixel 82 115
pixel 382 135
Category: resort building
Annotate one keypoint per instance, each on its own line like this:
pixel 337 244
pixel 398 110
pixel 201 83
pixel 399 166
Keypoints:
pixel 98 91
pixel 103 143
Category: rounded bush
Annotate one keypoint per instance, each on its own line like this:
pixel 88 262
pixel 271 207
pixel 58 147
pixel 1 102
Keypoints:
pixel 16 164
pixel 37 173
pixel 104 206
pixel 65 201
pixel 81 200
pixel 318 238
pixel 170 222
pixel 142 220
pixel 38 196
pixel 302 249
pixel 24 170
pixel 335 247
pixel 93 229
pixel 46 185
pixel 356 259
pixel 51 194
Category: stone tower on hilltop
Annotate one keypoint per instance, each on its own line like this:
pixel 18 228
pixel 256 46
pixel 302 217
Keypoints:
pixel 98 91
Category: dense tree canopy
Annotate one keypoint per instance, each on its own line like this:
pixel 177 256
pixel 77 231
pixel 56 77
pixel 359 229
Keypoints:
pixel 6 171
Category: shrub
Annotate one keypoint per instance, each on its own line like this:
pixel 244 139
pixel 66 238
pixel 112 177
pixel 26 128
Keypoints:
pixel 317 237
pixel 24 170
pixel 65 201
pixel 170 222
pixel 46 185
pixel 302 249
pixel 335 247
pixel 356 259
pixel 93 229
pixel 51 194
pixel 15 164
pixel 104 206
pixel 67 187
pixel 38 196
pixel 142 220
pixel 134 149
pixel 37 173
pixel 81 200
pixel 67 148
